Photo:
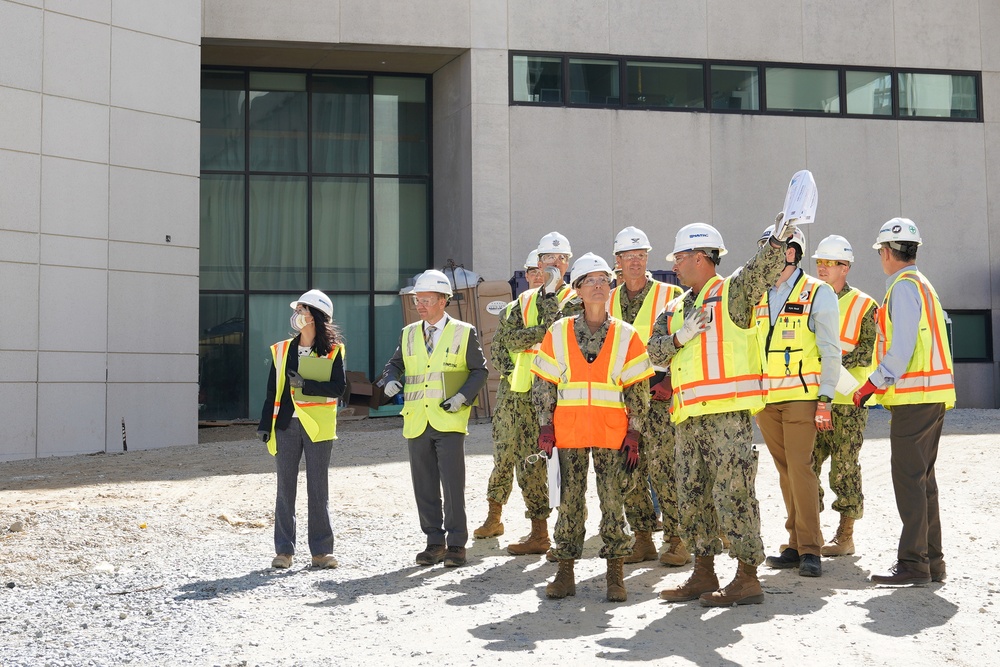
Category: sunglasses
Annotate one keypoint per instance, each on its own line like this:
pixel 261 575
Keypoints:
pixel 830 262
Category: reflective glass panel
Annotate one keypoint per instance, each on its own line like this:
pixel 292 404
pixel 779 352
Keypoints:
pixel 402 233
pixel 669 85
pixel 800 89
pixel 268 320
pixel 735 87
pixel 223 97
pixel 400 112
pixel 937 95
pixel 869 93
pixel 971 335
pixel 340 233
pixel 278 115
pixel 350 315
pixel 537 79
pixel 221 340
pixel 388 326
pixel 594 82
pixel 278 258
pixel 340 124
pixel 221 256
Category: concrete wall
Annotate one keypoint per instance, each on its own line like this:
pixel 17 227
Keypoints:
pixel 99 151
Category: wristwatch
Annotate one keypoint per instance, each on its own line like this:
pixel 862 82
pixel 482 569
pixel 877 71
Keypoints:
pixel 824 399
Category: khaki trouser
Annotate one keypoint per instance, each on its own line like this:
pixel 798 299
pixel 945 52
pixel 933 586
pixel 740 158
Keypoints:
pixel 789 429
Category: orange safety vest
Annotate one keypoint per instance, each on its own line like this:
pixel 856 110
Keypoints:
pixel 317 414
pixel 854 308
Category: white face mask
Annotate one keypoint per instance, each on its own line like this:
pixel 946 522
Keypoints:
pixel 298 321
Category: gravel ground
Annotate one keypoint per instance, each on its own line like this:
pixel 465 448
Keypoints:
pixel 161 557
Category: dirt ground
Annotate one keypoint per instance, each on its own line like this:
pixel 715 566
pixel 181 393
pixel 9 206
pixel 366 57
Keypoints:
pixel 161 557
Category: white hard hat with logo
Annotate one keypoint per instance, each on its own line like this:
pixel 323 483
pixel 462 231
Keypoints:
pixel 589 263
pixel 697 235
pixel 317 300
pixel 797 237
pixel 554 242
pixel 835 247
pixel 896 230
pixel 433 280
pixel 532 261
pixel 631 238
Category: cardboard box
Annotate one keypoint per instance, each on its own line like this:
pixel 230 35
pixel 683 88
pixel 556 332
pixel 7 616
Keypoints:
pixel 360 388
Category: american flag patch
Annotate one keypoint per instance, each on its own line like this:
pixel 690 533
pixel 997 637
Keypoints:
pixel 788 333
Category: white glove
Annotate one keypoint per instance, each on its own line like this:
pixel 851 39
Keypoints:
pixel 454 404
pixel 693 325
pixel 552 281
pixel 783 229
pixel 391 388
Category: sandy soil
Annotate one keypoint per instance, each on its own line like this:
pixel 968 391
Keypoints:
pixel 161 557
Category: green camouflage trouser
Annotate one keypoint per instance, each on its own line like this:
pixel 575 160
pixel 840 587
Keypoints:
pixel 656 464
pixel 515 437
pixel 570 526
pixel 715 467
pixel 842 446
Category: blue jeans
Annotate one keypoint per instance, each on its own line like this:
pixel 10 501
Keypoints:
pixel 292 443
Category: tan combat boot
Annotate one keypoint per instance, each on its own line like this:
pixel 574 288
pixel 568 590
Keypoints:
pixel 536 543
pixel 743 589
pixel 702 580
pixel 675 553
pixel 563 584
pixel 643 549
pixel 492 526
pixel 616 581
pixel 842 543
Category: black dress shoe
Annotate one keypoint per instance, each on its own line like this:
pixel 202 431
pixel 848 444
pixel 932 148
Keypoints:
pixel 902 573
pixel 810 566
pixel 788 558
pixel 454 557
pixel 432 555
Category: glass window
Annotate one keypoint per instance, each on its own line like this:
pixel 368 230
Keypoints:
pixel 402 233
pixel 799 89
pixel 400 106
pixel 340 233
pixel 221 256
pixel 594 82
pixel 268 324
pixel 537 79
pixel 735 87
pixel 278 257
pixel 669 85
pixel 971 335
pixel 340 124
pixel 221 381
pixel 350 314
pixel 278 115
pixel 937 95
pixel 223 96
pixel 388 324
pixel 869 93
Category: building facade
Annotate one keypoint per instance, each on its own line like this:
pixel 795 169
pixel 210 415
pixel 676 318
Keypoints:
pixel 175 172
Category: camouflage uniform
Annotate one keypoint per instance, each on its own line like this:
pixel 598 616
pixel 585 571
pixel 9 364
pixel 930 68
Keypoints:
pixel 715 464
pixel 842 445
pixel 612 481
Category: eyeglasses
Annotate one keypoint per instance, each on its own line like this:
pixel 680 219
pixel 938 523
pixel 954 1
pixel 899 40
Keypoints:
pixel 553 257
pixel 426 300
pixel 595 281
pixel 635 255
pixel 681 256
pixel 830 262
pixel 532 459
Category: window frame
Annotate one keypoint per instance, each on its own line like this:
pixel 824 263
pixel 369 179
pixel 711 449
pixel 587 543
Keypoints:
pixel 987 316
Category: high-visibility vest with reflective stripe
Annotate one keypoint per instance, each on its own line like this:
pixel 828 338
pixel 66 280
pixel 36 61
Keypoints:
pixel 318 415
pixel 718 370
pixel 657 298
pixel 520 377
pixel 590 410
pixel 792 365
pixel 423 382
pixel 855 306
pixel 930 376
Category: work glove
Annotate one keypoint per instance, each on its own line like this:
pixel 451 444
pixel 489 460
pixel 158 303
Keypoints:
pixel 548 309
pixel 453 404
pixel 546 439
pixel 783 229
pixel 661 391
pixel 391 388
pixel 552 280
pixel 693 325
pixel 264 436
pixel 824 418
pixel 630 451
pixel 863 394
pixel 296 380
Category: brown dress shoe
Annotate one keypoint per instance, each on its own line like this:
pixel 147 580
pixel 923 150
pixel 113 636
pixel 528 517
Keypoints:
pixel 903 573
pixel 432 555
pixel 454 557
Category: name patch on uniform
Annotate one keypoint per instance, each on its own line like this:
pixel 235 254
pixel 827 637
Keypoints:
pixel 794 308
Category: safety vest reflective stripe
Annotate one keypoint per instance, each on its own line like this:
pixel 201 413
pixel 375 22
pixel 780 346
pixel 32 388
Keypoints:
pixel 853 307
pixel 317 417
pixel 659 295
pixel 790 354
pixel 520 377
pixel 423 378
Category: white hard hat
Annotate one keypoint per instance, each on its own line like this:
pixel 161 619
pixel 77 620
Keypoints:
pixel 317 300
pixel 631 238
pixel 897 229
pixel 554 242
pixel 532 261
pixel 433 280
pixel 589 263
pixel 835 247
pixel 797 236
pixel 697 235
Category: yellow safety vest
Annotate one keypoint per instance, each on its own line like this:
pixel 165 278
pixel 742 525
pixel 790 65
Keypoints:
pixel 854 306
pixel 520 377
pixel 930 376
pixel 718 370
pixel 317 417
pixel 657 298
pixel 793 367
pixel 423 383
